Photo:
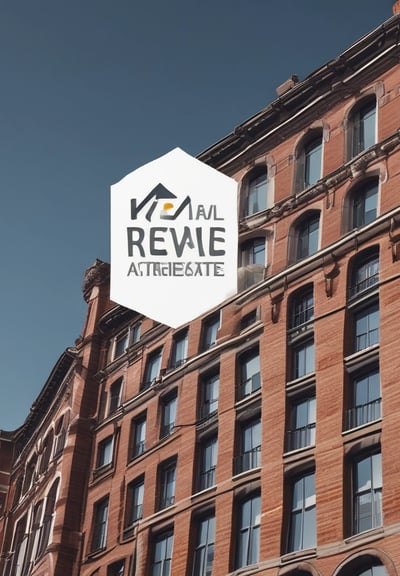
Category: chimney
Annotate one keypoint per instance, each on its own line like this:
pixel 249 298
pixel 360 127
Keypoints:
pixel 396 7
pixel 290 82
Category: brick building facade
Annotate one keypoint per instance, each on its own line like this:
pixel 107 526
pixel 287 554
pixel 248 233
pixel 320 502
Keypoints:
pixel 260 438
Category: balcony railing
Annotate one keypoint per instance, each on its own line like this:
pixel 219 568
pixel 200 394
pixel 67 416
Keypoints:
pixel 248 460
pixel 364 284
pixel 301 437
pixel 363 413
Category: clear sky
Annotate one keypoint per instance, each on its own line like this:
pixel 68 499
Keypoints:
pixel 91 90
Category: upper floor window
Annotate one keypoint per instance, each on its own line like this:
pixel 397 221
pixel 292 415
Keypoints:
pixel 367 492
pixel 303 358
pixel 249 368
pixel 105 452
pixel 307 237
pixel 46 453
pixel 134 502
pixel 366 324
pixel 116 568
pixel 248 533
pixel 208 463
pixel 48 517
pixel 179 349
pixel 302 532
pixel 366 399
pixel 309 161
pixel 252 262
pixel 302 307
pixel 162 554
pixel 365 273
pixel 209 394
pixel 302 423
pixel 167 484
pixel 204 550
pixel 168 414
pixel 365 203
pixel 124 339
pixel 99 529
pixel 138 436
pixel 362 126
pixel 210 331
pixel 250 446
pixel 258 191
pixel 60 433
pixel 115 396
pixel 152 370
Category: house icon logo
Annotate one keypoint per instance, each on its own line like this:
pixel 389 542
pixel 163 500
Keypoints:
pixel 173 231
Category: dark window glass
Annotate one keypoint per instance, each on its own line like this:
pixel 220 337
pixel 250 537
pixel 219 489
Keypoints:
pixel 115 395
pixel 365 204
pixel 257 195
pixel 138 436
pixel 302 532
pixel 302 432
pixel 249 532
pixel 250 377
pixel 100 517
pixel 365 275
pixel 204 551
pixel 304 360
pixel 134 503
pixel 162 555
pixel 312 161
pixel 168 416
pixel 367 493
pixel 307 237
pixel 167 485
pixel 208 463
pixel 152 371
pixel 210 391
pixel 105 452
pixel 250 446
pixel 366 327
pixel 179 349
pixel 363 123
pixel 210 331
pixel 302 308
pixel 366 405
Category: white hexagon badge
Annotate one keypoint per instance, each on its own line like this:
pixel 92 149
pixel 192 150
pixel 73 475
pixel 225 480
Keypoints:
pixel 173 239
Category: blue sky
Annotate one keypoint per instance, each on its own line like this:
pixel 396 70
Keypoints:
pixel 91 90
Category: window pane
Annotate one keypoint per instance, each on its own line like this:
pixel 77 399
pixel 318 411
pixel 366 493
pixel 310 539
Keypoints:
pixel 313 159
pixel 257 194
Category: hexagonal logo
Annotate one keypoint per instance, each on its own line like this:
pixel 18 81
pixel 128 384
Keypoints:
pixel 173 239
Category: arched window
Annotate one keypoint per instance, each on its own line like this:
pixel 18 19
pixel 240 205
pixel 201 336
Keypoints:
pixel 304 236
pixel 257 192
pixel 49 513
pixel 308 167
pixel 362 126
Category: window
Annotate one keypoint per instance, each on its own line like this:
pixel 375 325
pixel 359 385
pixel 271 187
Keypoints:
pixel 250 377
pixel 307 237
pixel 367 493
pixel 365 273
pixel 115 396
pixel 210 331
pixel 120 345
pixel 366 399
pixel 116 568
pixel 152 370
pixel 250 446
pixel 134 502
pixel 125 339
pixel 303 358
pixel 46 452
pixel 168 416
pixel 302 531
pixel 258 192
pixel 302 308
pixel 378 570
pixel 60 434
pixel 249 319
pixel 302 424
pixel 162 555
pixel 105 452
pixel 365 203
pixel 138 435
pixel 252 262
pixel 249 531
pixel 204 551
pixel 19 547
pixel 208 463
pixel 179 349
pixel 210 391
pixel 362 123
pixel 167 484
pixel 366 327
pixel 309 161
pixel 99 532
